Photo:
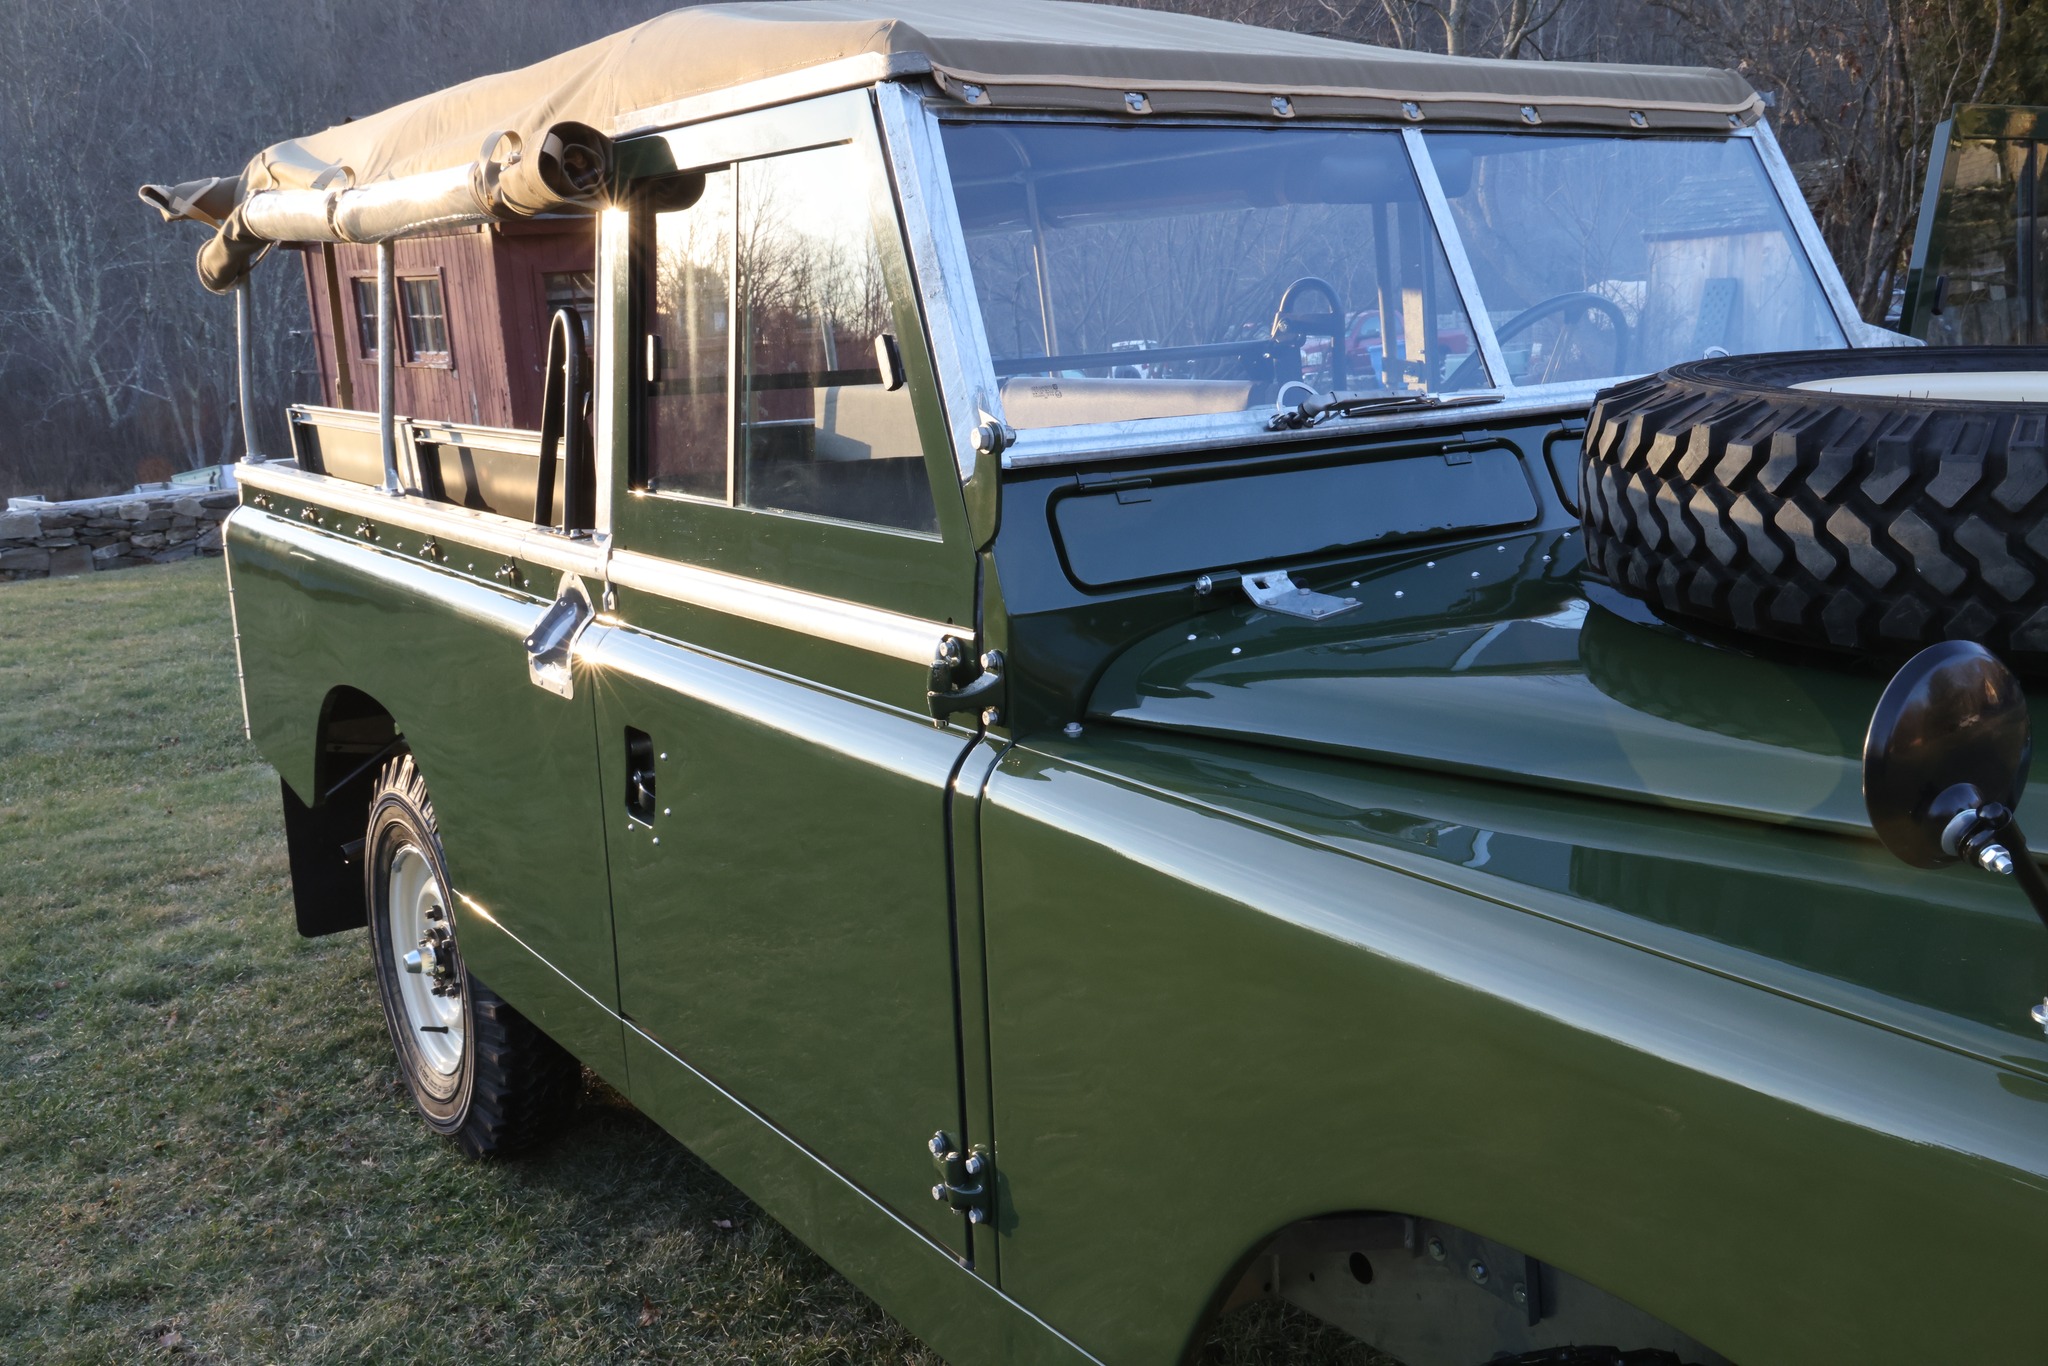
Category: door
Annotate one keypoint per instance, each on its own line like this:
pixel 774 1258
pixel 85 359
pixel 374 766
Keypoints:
pixel 790 551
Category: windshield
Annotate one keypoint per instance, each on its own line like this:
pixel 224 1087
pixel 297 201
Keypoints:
pixel 1171 271
pixel 1149 272
pixel 1599 257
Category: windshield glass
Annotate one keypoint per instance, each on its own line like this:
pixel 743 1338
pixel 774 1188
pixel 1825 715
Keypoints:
pixel 1130 273
pixel 1599 257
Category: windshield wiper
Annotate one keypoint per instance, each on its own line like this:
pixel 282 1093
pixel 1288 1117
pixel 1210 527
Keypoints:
pixel 1319 408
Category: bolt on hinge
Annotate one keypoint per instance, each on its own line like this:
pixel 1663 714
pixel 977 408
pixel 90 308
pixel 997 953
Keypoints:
pixel 963 1177
pixel 947 694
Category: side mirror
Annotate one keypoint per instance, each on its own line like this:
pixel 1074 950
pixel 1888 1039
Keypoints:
pixel 1944 764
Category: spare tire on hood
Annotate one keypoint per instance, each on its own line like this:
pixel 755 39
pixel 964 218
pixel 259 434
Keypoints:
pixel 1875 501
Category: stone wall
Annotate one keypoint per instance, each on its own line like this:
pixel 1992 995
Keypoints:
pixel 45 540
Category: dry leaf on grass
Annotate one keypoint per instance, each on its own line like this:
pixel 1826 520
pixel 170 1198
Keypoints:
pixel 650 1312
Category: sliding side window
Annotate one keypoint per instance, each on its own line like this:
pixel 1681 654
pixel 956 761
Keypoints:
pixel 802 407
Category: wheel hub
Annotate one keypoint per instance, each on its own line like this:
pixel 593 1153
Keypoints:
pixel 430 977
pixel 434 959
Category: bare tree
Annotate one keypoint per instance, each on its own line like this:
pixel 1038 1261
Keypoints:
pixel 116 364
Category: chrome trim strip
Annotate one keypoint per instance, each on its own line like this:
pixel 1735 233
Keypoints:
pixel 939 265
pixel 1453 245
pixel 1825 268
pixel 502 609
pixel 827 78
pixel 892 634
pixel 486 531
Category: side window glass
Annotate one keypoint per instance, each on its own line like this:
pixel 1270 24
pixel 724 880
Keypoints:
pixel 821 429
pixel 688 327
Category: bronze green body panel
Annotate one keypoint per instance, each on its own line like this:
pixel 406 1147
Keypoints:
pixel 783 920
pixel 960 1315
pixel 1285 1027
pixel 512 769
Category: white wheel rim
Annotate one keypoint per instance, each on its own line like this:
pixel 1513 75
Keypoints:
pixel 419 924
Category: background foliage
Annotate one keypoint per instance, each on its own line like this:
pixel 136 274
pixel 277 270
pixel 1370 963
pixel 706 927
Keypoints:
pixel 118 367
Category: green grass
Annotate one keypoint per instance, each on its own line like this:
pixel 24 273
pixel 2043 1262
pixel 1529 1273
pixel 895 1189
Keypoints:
pixel 204 1150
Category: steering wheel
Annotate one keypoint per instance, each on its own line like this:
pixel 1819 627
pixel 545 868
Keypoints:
pixel 1289 324
pixel 1579 301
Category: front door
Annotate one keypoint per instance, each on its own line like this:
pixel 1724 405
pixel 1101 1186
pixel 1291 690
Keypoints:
pixel 790 549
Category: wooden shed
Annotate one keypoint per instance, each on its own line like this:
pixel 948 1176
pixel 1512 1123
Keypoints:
pixel 472 312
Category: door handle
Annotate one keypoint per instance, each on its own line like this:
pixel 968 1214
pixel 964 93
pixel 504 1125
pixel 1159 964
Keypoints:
pixel 553 639
pixel 640 776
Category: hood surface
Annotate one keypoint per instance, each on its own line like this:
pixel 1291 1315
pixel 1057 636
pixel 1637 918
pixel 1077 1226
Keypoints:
pixel 1500 660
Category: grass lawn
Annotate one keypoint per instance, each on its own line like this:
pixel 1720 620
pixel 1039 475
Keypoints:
pixel 205 1153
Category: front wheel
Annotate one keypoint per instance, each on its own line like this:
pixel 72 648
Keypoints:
pixel 478 1070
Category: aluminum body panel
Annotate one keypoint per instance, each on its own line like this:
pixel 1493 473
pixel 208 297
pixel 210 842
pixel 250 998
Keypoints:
pixel 512 769
pixel 783 920
pixel 1289 1014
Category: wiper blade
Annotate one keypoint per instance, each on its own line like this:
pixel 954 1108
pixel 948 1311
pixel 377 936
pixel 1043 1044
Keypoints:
pixel 1320 408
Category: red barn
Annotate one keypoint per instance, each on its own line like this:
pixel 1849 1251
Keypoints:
pixel 472 310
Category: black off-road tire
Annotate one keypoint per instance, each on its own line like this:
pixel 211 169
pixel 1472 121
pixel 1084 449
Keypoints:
pixel 510 1085
pixel 1867 523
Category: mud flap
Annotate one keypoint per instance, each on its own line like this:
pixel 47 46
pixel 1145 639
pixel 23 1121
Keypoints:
pixel 327 888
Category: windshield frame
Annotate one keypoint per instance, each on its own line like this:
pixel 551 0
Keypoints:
pixel 912 124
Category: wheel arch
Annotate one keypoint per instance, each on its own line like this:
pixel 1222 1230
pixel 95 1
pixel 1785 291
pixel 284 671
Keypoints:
pixel 1330 1264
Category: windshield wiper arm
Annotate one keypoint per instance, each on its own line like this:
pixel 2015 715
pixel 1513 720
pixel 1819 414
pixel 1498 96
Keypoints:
pixel 1321 407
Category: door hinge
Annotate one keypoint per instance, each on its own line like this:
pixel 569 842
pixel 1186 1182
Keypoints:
pixel 963 1177
pixel 946 694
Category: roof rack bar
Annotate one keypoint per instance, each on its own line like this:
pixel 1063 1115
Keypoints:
pixel 387 363
pixel 250 454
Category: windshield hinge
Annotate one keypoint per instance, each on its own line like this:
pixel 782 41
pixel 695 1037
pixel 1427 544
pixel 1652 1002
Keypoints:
pixel 1275 591
pixel 964 1177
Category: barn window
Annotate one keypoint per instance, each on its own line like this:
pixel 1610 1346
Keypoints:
pixel 426 320
pixel 366 315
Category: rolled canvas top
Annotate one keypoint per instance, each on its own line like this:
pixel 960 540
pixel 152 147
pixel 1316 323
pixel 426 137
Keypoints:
pixel 1019 54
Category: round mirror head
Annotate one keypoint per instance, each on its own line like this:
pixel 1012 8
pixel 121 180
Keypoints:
pixel 1949 733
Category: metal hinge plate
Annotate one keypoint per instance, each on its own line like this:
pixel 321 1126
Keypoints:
pixel 1273 590
pixel 963 1177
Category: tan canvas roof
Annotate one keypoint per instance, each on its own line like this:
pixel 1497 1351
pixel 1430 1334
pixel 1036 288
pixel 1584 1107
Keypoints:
pixel 1035 54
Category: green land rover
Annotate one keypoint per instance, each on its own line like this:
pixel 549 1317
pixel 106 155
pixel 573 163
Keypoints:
pixel 1071 686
